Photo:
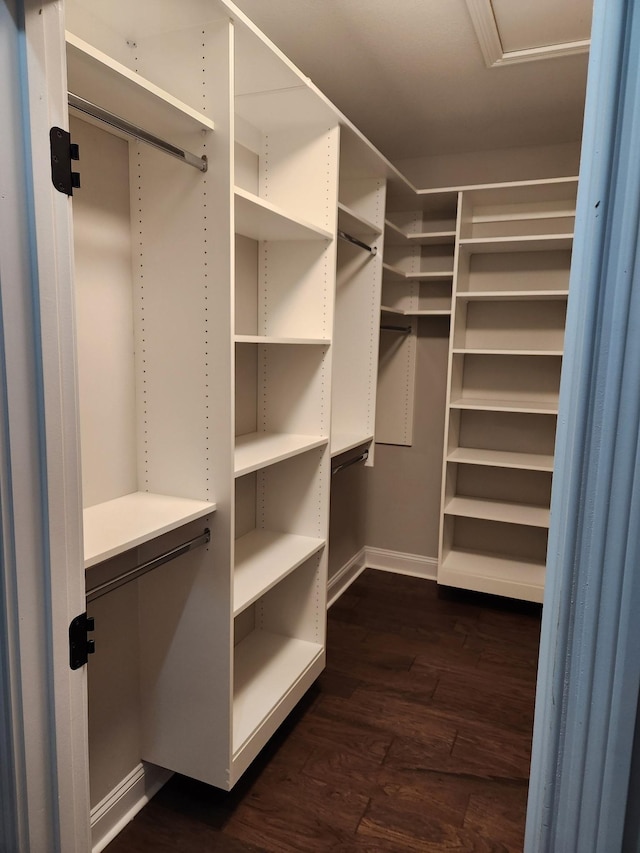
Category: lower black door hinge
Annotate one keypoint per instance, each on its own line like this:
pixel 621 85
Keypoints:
pixel 80 646
pixel 63 151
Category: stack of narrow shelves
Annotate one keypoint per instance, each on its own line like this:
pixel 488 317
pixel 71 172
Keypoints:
pixel 510 293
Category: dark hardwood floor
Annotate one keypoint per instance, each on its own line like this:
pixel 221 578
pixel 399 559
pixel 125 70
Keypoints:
pixel 416 738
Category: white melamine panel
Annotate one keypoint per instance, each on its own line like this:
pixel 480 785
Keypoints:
pixel 505 511
pixel 118 525
pixel 511 325
pixel 519 272
pixel 293 496
pixel 246 286
pixel 284 110
pixel 265 339
pixel 396 385
pixel 513 295
pixel 502 459
pixel 501 431
pixel 256 450
pixel 263 558
pixel 495 404
pixel 112 86
pixel 514 540
pixel 417 298
pixel 268 667
pixel 355 224
pixel 360 198
pixel 104 304
pixel 494 574
pixel 502 484
pixel 395 273
pixel 505 380
pixel 258 68
pixel 259 219
pixel 540 243
pixel 295 289
pixel 293 390
pixel 342 442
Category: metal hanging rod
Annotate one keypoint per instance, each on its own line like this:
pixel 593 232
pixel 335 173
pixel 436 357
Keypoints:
pixel 131 575
pixel 344 236
pixel 129 129
pixel 361 458
pixel 404 330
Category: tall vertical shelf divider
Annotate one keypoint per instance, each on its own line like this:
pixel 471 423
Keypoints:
pixel 511 283
pixel 361 205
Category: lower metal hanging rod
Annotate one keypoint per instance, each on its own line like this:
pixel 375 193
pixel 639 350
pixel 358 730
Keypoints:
pixel 361 458
pixel 129 129
pixel 138 571
pixel 404 330
pixel 344 236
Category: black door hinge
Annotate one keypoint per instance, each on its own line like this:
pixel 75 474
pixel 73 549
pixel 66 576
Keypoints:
pixel 63 151
pixel 80 646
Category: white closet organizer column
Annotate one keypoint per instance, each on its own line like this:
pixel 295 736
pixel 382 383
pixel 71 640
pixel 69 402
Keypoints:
pixel 286 178
pixel 361 206
pixel 419 241
pixel 510 289
pixel 152 246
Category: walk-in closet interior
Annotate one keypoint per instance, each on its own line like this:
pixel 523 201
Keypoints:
pixel 294 356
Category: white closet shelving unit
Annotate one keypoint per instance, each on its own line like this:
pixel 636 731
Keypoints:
pixel 361 205
pixel 511 282
pixel 419 240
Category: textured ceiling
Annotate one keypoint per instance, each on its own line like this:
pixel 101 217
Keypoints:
pixel 411 76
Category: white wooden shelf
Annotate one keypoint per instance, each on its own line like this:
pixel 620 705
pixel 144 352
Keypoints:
pixel 261 220
pixel 258 449
pixel 395 236
pixel 393 273
pixel 512 295
pixel 270 339
pixel 492 510
pixel 531 407
pixel 113 527
pixel 342 442
pixel 263 558
pixel 355 224
pixel 422 312
pixel 534 243
pixel 98 78
pixel 267 668
pixel 509 352
pixel 502 459
pixel 493 573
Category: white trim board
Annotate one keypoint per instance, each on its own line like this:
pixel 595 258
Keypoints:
pixel 344 577
pixel 124 802
pixel 400 563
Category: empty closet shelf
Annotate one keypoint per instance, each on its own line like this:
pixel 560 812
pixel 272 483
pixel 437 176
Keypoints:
pixel 534 243
pixel 97 77
pixel 272 339
pixel 418 312
pixel 511 295
pixel 502 459
pixel 352 222
pixel 267 668
pixel 393 273
pixel 113 527
pixel 342 442
pixel 258 449
pixel 263 558
pixel 533 407
pixel 395 236
pixel 493 573
pixel 260 220
pixel 493 510
pixel 555 353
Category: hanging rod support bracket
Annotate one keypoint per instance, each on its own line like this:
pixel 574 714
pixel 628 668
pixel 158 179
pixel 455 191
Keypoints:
pixel 80 646
pixel 63 151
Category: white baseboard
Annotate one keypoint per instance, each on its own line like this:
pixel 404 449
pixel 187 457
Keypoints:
pixel 385 561
pixel 403 564
pixel 123 803
pixel 345 576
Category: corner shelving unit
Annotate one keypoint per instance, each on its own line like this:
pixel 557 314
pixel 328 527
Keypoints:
pixel 509 306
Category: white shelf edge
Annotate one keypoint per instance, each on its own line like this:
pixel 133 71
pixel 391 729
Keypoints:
pixel 512 295
pixel 120 75
pixel 525 243
pixel 270 339
pixel 269 214
pixel 263 559
pixel 342 442
pixel 258 450
pixel 424 312
pixel 493 573
pixel 494 510
pixel 527 407
pixel 439 275
pixel 116 526
pixel 501 459
pixel 507 352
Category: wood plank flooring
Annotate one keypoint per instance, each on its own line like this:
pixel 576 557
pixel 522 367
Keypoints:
pixel 416 738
